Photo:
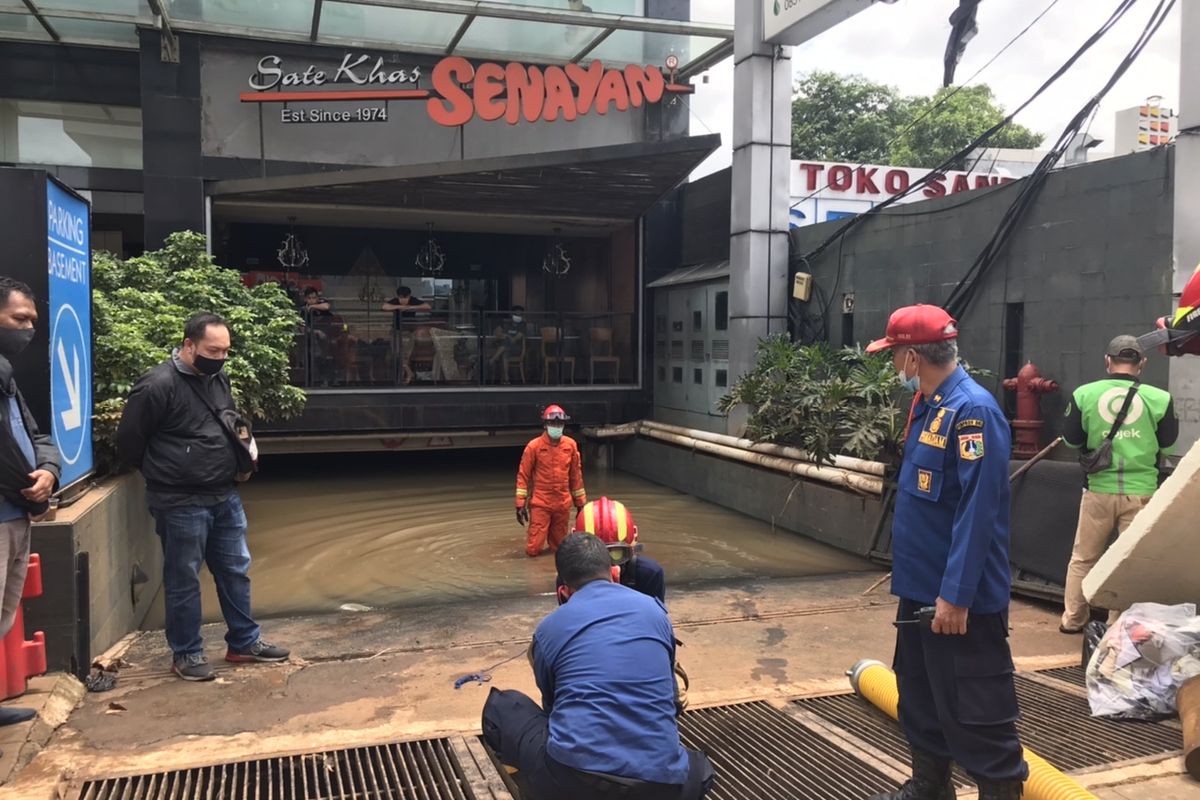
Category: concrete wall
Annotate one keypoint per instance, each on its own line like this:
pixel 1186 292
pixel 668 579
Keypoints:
pixel 833 516
pixel 109 523
pixel 1092 259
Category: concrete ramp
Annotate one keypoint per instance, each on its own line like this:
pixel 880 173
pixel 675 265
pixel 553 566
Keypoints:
pixel 1157 559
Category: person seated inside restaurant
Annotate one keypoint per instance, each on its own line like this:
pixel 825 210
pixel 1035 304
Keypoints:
pixel 403 342
pixel 604 664
pixel 509 339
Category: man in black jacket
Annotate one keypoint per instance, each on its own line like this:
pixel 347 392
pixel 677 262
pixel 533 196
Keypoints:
pixel 30 468
pixel 173 432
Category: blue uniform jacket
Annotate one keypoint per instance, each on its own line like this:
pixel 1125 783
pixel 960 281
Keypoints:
pixel 950 530
pixel 603 662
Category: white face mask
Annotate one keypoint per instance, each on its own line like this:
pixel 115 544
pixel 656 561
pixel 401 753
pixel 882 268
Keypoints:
pixel 517 319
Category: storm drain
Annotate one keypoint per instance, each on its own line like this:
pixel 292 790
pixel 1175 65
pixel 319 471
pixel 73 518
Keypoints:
pixel 424 770
pixel 1076 676
pixel 761 753
pixel 1055 724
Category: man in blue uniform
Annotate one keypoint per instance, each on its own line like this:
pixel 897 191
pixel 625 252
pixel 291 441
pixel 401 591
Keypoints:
pixel 606 727
pixel 950 551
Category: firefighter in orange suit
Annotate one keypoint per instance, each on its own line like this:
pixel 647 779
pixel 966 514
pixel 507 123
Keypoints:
pixel 549 484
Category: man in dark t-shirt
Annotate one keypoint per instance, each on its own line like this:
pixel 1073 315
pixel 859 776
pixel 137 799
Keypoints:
pixel 403 342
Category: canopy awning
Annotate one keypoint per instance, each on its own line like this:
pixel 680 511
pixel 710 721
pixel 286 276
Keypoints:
pixel 695 273
pixel 592 186
pixel 535 31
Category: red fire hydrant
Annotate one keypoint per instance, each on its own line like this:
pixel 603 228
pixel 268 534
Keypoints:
pixel 1028 385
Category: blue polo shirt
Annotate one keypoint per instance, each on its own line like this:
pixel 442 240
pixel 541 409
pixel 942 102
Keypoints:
pixel 603 662
pixel 950 530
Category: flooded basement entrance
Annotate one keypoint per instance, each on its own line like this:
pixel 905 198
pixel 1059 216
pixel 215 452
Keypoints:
pixel 384 530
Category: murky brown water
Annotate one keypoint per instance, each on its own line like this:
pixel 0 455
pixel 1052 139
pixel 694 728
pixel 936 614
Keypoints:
pixel 407 529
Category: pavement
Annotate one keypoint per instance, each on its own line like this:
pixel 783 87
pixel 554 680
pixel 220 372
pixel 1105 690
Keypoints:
pixel 361 678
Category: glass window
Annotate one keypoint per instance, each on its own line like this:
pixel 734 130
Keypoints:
pixel 367 23
pixel 70 134
pixel 642 47
pixel 721 311
pixel 698 377
pixel 96 31
pixel 697 321
pixel 293 16
pixel 532 39
pixel 24 24
pixel 677 374
pixel 722 378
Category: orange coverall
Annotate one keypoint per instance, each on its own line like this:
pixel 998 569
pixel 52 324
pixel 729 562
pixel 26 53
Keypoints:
pixel 550 482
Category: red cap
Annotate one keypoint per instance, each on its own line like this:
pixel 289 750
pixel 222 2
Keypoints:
pixel 919 324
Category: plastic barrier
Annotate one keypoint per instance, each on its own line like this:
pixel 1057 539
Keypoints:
pixel 20 660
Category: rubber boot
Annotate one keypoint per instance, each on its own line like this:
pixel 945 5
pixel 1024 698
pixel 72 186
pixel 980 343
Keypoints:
pixel 1000 790
pixel 930 780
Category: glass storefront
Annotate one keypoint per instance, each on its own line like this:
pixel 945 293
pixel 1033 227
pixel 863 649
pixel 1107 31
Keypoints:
pixel 70 134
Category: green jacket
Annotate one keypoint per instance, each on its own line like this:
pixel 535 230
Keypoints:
pixel 1150 428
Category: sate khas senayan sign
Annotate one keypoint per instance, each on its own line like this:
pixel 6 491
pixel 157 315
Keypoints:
pixel 461 91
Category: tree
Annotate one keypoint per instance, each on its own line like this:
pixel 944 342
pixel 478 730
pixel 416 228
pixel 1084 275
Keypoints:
pixel 845 118
pixel 852 119
pixel 140 306
pixel 955 124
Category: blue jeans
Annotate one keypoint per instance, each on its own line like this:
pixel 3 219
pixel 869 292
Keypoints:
pixel 214 535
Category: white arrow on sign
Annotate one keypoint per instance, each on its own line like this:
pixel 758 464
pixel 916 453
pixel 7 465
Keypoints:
pixel 72 417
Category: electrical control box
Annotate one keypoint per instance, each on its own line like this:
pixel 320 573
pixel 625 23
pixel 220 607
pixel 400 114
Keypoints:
pixel 802 286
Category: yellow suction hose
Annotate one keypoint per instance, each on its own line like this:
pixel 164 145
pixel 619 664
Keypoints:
pixel 876 684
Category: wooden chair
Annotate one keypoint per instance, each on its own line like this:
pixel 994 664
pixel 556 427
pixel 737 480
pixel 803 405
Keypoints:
pixel 602 353
pixel 517 361
pixel 552 354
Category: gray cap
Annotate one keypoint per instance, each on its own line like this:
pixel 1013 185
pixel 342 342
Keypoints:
pixel 1126 347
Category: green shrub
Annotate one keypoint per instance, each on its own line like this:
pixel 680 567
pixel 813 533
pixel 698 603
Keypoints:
pixel 140 306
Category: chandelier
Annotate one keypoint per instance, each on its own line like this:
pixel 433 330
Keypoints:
pixel 556 261
pixel 292 255
pixel 430 258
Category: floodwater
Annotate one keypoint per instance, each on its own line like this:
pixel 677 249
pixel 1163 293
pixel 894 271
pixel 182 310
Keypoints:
pixel 401 529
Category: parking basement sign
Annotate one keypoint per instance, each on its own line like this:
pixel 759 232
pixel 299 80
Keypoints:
pixel 70 296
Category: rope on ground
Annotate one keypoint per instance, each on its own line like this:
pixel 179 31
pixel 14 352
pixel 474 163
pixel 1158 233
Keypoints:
pixel 484 675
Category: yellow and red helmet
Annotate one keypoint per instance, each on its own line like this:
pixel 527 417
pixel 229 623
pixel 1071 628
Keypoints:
pixel 612 524
pixel 554 413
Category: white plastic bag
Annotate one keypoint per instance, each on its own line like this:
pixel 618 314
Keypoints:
pixel 1142 661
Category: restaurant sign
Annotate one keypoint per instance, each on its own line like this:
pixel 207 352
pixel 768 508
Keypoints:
pixel 461 91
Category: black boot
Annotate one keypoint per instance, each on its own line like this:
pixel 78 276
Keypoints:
pixel 1000 790
pixel 930 780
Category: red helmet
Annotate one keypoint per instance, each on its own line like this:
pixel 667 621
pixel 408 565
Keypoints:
pixel 554 413
pixel 612 524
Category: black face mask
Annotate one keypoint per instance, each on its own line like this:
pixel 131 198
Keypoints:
pixel 14 340
pixel 208 366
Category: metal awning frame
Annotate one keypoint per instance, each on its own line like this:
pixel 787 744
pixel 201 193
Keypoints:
pixel 605 25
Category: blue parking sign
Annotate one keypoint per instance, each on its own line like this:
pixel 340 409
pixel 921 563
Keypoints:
pixel 68 235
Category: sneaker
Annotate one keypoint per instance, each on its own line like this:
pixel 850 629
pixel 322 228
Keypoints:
pixel 260 651
pixel 193 667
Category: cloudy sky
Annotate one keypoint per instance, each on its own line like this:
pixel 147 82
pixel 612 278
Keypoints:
pixel 902 44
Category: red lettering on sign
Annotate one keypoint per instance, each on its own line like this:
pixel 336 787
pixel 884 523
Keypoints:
pixel 588 81
pixel 489 85
pixel 812 171
pixel 612 90
pixel 559 96
pixel 961 184
pixel 841 178
pixel 866 182
pixel 896 181
pixel 983 181
pixel 644 83
pixel 526 93
pixel 455 107
pixel 936 187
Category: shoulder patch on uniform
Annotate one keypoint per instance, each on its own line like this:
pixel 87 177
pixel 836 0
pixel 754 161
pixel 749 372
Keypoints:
pixel 969 423
pixel 933 440
pixel 970 446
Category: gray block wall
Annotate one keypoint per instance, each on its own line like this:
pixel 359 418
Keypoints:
pixel 1091 259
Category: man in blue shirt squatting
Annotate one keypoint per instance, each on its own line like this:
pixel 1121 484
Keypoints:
pixel 603 663
pixel 950 550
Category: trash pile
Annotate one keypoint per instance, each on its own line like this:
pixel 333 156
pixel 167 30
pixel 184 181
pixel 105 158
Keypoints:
pixel 1142 660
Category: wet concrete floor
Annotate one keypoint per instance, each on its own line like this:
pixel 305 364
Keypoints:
pixel 400 529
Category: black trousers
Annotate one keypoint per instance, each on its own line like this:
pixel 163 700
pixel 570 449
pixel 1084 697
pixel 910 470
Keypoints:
pixel 516 728
pixel 957 698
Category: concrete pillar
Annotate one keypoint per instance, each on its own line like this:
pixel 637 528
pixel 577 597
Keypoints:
pixel 762 91
pixel 1185 371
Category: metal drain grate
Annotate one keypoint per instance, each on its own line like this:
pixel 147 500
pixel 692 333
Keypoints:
pixel 859 718
pixel 1086 741
pixel 760 753
pixel 1076 676
pixel 424 770
pixel 1054 724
